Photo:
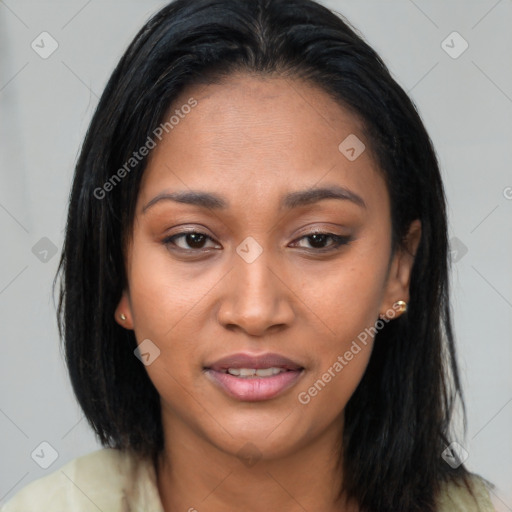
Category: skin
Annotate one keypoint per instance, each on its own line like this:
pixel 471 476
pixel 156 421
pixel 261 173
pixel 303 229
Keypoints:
pixel 253 140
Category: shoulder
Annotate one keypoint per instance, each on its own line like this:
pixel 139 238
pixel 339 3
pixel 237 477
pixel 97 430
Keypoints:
pixel 455 496
pixel 106 479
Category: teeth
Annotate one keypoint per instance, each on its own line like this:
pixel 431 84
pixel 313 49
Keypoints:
pixel 252 372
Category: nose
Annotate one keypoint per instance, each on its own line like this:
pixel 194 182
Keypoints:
pixel 257 298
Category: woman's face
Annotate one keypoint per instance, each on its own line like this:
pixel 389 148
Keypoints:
pixel 260 242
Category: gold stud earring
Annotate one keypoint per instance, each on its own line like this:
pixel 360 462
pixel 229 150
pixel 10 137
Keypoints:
pixel 400 306
pixel 122 317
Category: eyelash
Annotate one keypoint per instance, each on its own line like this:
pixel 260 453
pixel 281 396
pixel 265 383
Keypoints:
pixel 338 241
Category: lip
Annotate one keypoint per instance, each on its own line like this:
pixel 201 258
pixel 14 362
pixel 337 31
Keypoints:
pixel 244 360
pixel 254 389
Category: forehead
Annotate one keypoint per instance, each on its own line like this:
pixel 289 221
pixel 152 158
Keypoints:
pixel 253 138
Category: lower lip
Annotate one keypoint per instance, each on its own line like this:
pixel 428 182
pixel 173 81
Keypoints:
pixel 253 389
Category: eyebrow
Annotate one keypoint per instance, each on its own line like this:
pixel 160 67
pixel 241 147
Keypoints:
pixel 291 200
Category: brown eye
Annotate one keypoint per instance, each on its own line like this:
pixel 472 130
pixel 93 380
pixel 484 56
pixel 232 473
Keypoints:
pixel 318 241
pixel 321 241
pixel 191 240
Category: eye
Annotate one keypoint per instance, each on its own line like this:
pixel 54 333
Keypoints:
pixel 189 241
pixel 320 241
pixel 197 241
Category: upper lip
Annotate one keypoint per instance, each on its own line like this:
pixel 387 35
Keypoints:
pixel 244 360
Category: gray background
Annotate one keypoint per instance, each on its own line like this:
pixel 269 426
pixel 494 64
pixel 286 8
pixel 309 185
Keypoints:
pixel 46 105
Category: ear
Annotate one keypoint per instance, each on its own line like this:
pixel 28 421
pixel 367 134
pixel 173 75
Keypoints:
pixel 124 310
pixel 399 276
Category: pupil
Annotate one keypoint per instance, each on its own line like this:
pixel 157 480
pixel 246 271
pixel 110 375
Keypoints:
pixel 195 240
pixel 317 241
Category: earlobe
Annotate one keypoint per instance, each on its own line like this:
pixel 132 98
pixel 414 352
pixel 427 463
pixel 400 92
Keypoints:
pixel 123 314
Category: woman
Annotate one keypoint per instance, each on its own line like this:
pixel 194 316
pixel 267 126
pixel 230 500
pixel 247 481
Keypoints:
pixel 254 302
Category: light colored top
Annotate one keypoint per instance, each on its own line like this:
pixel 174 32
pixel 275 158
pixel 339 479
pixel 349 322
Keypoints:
pixel 113 481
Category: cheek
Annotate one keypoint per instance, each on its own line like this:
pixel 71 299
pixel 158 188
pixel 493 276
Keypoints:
pixel 342 354
pixel 326 393
pixel 354 289
pixel 346 296
pixel 162 293
pixel 165 302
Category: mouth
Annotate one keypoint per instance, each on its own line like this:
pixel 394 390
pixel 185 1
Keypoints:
pixel 251 378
